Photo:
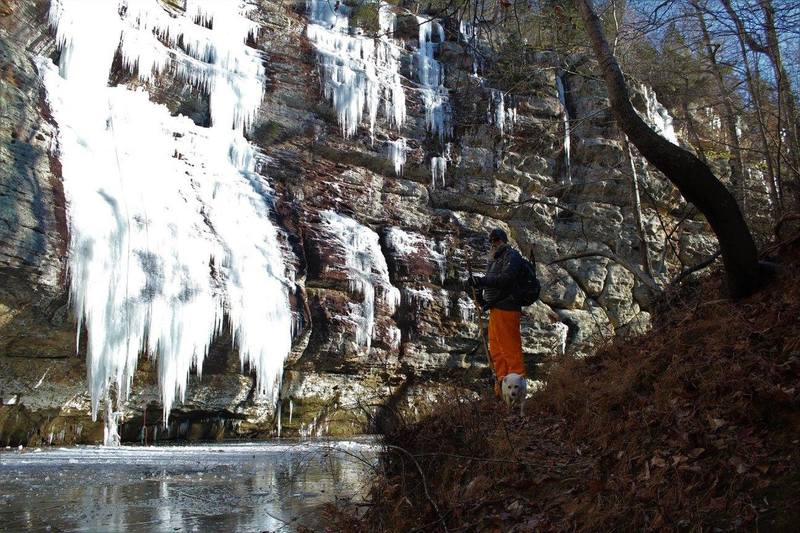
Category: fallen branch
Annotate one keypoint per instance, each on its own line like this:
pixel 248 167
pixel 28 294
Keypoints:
pixel 699 266
pixel 641 276
pixel 424 483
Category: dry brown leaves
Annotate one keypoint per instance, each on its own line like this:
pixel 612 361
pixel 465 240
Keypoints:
pixel 694 427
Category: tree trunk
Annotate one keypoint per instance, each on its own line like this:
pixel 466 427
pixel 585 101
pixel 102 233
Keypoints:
pixel 692 178
pixel 773 165
pixel 729 116
pixel 644 248
pixel 786 95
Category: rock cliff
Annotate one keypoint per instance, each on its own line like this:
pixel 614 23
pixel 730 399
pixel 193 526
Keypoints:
pixel 379 214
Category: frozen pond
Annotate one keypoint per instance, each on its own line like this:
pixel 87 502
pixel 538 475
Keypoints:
pixel 222 487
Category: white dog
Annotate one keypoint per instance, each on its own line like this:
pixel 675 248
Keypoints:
pixel 515 389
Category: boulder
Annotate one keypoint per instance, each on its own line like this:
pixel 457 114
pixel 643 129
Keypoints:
pixel 559 290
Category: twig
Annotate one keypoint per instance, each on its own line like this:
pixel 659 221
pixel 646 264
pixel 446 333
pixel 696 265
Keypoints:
pixel 424 483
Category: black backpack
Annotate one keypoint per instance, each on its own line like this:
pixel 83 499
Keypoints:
pixel 528 286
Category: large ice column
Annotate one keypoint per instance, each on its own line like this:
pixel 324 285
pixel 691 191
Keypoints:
pixel 397 154
pixel 357 70
pixel 658 117
pixel 156 204
pixel 430 74
pixel 438 170
pixel 366 269
pixel 562 97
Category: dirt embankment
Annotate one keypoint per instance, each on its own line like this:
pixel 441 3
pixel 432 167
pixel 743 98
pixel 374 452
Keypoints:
pixel 693 427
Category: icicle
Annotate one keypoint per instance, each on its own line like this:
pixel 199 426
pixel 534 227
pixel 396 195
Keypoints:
pixel 561 331
pixel 466 309
pixel 357 70
pixel 430 74
pixel 498 113
pixel 470 38
pixel 366 267
pixel 156 203
pixel 280 416
pixel 658 116
pixel 567 144
pixel 438 170
pixel 397 154
pixel 291 410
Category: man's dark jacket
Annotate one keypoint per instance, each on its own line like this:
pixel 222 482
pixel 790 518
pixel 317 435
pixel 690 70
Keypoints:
pixel 500 280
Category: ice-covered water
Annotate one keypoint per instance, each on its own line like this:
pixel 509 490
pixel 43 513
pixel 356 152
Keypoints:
pixel 156 204
pixel 227 487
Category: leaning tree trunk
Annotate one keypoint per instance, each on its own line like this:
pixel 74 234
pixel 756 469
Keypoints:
pixel 691 176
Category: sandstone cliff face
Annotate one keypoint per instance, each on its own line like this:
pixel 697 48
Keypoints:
pixel 360 353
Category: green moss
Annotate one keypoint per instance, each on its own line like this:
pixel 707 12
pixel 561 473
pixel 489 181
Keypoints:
pixel 365 16
pixel 266 133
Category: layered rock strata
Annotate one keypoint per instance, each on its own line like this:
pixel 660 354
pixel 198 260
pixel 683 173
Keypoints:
pixel 380 215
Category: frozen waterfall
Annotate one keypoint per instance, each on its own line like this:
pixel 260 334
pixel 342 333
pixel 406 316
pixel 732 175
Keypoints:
pixel 169 222
pixel 366 269
pixel 357 70
pixel 658 116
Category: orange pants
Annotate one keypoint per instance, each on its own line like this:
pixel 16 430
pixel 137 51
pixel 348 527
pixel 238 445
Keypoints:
pixel 505 343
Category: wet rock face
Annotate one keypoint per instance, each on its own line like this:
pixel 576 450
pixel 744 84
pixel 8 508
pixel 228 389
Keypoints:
pixel 424 237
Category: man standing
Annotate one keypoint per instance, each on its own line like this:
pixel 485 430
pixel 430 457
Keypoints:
pixel 499 285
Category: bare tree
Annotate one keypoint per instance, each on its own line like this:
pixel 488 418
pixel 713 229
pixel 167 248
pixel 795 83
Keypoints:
pixel 786 106
pixel 728 115
pixel 691 176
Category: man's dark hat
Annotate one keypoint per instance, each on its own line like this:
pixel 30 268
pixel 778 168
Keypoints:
pixel 497 233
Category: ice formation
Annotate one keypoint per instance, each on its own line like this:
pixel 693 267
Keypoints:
pixel 658 117
pixel 405 243
pixel 357 70
pixel 366 269
pixel 419 298
pixel 499 114
pixel 562 97
pixel 397 154
pixel 430 74
pixel 438 170
pixel 470 37
pixel 157 204
pixel 466 309
pixel 562 332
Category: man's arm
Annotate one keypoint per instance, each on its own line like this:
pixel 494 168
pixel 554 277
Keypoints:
pixel 507 275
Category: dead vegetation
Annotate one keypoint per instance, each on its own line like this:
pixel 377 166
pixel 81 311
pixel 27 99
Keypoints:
pixel 694 427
